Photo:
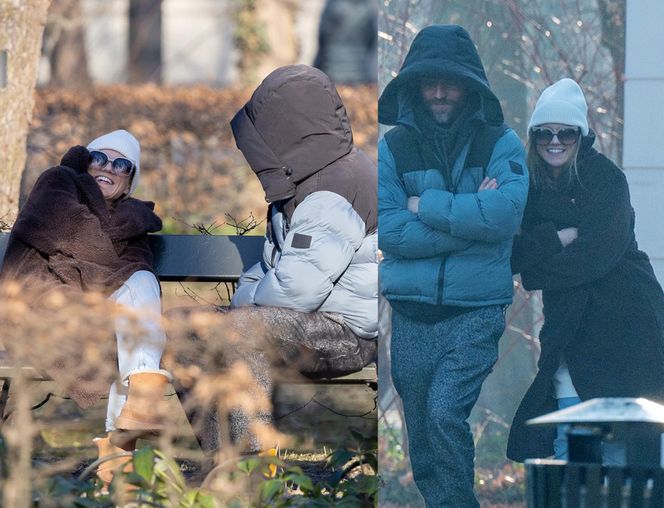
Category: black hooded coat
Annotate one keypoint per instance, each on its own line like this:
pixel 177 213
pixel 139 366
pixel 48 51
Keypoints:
pixel 603 306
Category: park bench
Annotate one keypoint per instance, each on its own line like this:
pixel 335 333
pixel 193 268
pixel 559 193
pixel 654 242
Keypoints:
pixel 188 258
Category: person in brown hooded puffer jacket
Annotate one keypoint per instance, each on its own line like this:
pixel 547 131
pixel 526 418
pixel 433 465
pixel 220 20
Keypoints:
pixel 315 294
pixel 80 231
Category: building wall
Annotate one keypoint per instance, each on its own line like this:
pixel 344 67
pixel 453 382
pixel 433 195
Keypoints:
pixel 643 155
pixel 106 39
pixel 198 42
pixel 197 38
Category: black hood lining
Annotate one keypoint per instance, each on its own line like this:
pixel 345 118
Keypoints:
pixel 440 51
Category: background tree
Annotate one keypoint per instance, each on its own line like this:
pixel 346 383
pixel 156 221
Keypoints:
pixel 21 28
pixel 144 41
pixel 265 36
pixel 64 43
pixel 612 16
pixel 250 38
pixel 526 46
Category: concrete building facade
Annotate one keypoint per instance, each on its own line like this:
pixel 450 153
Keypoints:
pixel 643 148
pixel 197 40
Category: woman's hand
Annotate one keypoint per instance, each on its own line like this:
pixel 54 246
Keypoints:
pixel 414 204
pixel 568 235
pixel 77 158
pixel 488 184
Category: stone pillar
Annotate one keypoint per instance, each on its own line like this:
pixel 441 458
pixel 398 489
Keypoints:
pixel 198 42
pixel 643 146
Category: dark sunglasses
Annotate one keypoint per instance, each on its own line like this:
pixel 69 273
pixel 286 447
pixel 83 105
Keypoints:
pixel 119 166
pixel 544 136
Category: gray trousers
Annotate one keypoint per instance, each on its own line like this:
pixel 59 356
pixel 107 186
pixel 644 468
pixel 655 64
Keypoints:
pixel 438 370
pixel 271 341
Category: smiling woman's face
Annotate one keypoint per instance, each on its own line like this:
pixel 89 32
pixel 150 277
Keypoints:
pixel 554 153
pixel 112 186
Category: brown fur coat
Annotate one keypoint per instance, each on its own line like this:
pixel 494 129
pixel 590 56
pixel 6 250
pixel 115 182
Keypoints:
pixel 67 240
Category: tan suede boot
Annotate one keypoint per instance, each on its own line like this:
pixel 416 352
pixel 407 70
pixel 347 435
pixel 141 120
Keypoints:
pixel 143 413
pixel 107 469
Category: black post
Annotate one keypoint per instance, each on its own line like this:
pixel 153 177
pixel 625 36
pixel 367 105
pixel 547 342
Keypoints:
pixel 144 41
pixel 3 68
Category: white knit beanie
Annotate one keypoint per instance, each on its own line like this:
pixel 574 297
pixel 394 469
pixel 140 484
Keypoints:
pixel 125 143
pixel 563 103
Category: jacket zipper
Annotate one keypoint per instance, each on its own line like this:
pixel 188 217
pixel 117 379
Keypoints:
pixel 441 282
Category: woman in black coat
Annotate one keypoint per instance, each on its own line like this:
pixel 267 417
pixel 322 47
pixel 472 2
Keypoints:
pixel 603 307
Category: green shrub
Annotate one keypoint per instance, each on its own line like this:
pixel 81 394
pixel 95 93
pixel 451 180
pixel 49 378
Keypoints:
pixel 157 481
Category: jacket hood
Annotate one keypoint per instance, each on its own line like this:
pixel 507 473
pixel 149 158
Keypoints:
pixel 293 126
pixel 438 51
pixel 586 149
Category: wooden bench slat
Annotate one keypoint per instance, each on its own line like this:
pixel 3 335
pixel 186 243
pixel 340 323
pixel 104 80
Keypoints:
pixel 594 481
pixel 204 258
pixel 554 483
pixel 592 485
pixel 657 493
pixel 637 488
pixel 573 483
pixel 367 375
pixel 8 370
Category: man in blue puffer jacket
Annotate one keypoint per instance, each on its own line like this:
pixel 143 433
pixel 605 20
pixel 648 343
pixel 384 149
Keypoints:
pixel 452 187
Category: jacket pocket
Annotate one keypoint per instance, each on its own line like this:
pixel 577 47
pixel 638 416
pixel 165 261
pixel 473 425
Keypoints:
pixel 414 280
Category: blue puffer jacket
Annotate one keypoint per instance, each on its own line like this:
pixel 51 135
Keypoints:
pixel 456 249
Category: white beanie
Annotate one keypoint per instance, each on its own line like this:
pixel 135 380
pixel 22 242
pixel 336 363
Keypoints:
pixel 125 143
pixel 563 103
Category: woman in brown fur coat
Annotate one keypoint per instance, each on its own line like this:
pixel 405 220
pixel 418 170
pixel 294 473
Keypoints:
pixel 81 231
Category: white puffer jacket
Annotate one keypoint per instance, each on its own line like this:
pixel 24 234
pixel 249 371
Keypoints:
pixel 323 262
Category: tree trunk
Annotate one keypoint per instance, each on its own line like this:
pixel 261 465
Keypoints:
pixel 144 41
pixel 65 28
pixel 278 18
pixel 21 27
pixel 612 14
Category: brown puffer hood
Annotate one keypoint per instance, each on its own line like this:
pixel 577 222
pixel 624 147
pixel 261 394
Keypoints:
pixel 293 126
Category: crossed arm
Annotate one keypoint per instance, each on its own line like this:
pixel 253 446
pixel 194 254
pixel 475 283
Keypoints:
pixel 440 222
pixel 486 184
pixel 588 252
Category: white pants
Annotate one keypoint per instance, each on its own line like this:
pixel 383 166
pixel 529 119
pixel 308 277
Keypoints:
pixel 137 352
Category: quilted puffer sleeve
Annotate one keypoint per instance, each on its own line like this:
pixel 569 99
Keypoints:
pixel 490 215
pixel 324 234
pixel 248 283
pixel 402 233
